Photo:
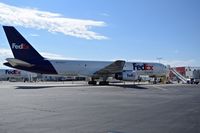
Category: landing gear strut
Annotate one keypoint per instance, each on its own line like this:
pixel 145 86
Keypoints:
pixel 104 82
pixel 92 82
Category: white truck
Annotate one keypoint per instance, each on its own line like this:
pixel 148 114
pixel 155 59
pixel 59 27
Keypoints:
pixel 196 77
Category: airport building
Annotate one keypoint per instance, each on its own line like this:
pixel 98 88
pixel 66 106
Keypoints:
pixel 16 75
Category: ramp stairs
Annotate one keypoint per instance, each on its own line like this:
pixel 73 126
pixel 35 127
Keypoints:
pixel 181 77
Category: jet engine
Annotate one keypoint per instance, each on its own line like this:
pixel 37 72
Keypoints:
pixel 127 75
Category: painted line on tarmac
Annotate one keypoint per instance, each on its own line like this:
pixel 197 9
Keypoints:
pixel 160 88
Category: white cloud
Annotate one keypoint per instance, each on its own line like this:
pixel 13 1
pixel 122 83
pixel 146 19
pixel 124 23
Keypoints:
pixel 34 35
pixel 176 51
pixel 104 14
pixel 53 22
pixel 4 53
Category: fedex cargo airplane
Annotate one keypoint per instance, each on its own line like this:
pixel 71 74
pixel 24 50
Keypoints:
pixel 28 59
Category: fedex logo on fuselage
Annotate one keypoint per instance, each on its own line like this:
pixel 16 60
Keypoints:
pixel 141 67
pixel 21 46
pixel 129 75
pixel 12 72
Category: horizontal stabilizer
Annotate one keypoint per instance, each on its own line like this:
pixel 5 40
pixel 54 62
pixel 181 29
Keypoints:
pixel 16 62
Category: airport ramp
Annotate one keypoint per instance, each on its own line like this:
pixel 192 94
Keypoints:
pixel 181 77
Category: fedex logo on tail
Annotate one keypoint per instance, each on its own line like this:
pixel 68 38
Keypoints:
pixel 21 46
pixel 142 66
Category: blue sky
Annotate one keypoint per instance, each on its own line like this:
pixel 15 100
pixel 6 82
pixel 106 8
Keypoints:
pixel 133 30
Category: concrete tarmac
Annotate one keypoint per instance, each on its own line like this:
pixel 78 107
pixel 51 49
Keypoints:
pixel 79 108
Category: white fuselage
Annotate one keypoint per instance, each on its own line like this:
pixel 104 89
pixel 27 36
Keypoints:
pixel 88 68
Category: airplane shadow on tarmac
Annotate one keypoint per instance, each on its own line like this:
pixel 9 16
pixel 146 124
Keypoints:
pixel 66 86
pixel 129 86
pixel 45 87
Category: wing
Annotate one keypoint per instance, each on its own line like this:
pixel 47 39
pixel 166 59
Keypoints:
pixel 113 68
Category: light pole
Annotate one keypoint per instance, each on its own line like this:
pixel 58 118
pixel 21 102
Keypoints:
pixel 159 58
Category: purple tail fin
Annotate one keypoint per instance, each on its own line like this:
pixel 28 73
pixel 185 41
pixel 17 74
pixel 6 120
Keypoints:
pixel 20 47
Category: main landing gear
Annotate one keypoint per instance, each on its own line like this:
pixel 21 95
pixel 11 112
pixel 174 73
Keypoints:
pixel 93 82
pixel 103 83
pixel 100 83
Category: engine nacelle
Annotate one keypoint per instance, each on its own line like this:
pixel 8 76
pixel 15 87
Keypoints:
pixel 127 75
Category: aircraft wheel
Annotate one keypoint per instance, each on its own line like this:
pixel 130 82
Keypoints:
pixel 92 82
pixel 103 83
